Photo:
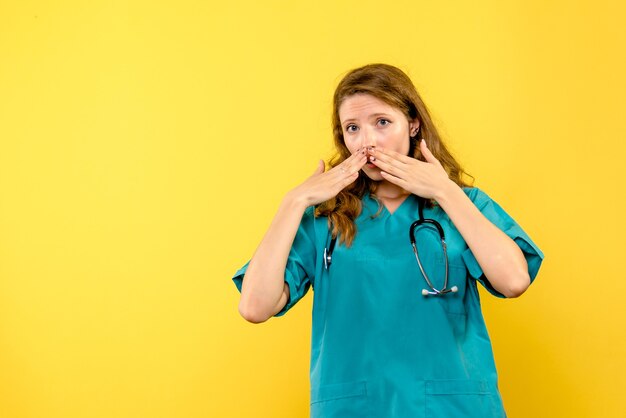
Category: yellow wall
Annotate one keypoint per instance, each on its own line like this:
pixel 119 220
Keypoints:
pixel 144 149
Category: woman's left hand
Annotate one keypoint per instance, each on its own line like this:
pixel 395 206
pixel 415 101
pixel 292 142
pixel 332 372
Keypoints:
pixel 426 179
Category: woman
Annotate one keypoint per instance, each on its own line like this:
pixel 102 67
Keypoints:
pixel 397 329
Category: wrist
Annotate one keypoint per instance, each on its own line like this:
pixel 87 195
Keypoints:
pixel 293 201
pixel 446 193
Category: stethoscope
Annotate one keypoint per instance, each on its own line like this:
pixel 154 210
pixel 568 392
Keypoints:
pixel 328 252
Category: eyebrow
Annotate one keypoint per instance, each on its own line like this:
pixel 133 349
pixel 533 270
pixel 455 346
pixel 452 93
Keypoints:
pixel 374 115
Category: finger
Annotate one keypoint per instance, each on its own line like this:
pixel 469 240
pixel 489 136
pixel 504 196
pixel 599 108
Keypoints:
pixel 393 179
pixel 387 165
pixel 391 164
pixel 349 172
pixel 390 154
pixel 348 160
pixel 321 166
pixel 427 154
pixel 358 163
pixel 347 181
pixel 340 182
pixel 353 163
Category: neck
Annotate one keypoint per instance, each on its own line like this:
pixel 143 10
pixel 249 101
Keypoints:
pixel 387 190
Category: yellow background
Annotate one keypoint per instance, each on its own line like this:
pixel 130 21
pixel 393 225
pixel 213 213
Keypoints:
pixel 146 145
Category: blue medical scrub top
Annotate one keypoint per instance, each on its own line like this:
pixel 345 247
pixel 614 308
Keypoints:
pixel 379 348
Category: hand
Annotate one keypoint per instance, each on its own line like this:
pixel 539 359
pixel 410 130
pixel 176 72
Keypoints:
pixel 322 186
pixel 425 179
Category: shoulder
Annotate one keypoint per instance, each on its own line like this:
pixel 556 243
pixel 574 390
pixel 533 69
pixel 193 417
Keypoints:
pixel 478 196
pixel 309 212
pixel 308 217
pixel 312 223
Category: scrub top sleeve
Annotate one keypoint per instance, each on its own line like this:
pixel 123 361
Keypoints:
pixel 300 267
pixel 492 211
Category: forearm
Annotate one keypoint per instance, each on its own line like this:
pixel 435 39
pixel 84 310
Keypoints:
pixel 263 282
pixel 499 256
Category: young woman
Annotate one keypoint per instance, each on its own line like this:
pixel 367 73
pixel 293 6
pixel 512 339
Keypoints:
pixel 397 324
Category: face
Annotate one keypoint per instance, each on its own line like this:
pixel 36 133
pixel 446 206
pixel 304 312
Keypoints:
pixel 367 121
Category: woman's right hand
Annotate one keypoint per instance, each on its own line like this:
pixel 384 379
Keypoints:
pixel 322 185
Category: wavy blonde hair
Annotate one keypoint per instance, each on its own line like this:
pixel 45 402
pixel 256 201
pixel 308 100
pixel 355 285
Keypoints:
pixel 395 88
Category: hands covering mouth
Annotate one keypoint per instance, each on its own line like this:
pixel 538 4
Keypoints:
pixel 369 153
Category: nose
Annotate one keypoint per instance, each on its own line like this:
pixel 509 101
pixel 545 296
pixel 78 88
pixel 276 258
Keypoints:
pixel 368 138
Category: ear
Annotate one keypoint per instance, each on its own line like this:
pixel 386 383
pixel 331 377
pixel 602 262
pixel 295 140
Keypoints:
pixel 414 126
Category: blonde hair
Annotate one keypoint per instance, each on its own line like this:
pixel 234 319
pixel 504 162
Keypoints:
pixel 395 88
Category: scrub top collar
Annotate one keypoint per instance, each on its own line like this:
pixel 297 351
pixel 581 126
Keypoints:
pixel 410 204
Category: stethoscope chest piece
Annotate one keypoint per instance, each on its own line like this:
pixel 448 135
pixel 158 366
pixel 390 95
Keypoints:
pixel 328 253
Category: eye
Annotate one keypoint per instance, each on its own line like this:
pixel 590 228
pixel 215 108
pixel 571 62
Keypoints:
pixel 351 128
pixel 384 122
